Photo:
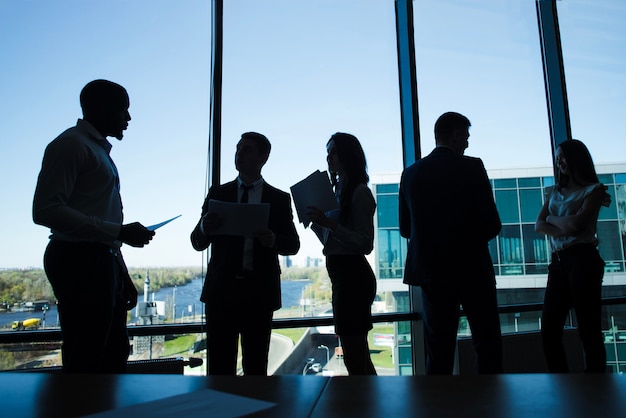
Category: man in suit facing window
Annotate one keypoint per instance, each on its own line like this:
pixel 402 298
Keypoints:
pixel 242 287
pixel 448 213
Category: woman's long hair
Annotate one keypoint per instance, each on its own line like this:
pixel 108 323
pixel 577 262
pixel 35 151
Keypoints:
pixel 352 158
pixel 579 162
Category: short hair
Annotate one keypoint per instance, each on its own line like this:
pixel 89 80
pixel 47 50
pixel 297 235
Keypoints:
pixel 448 123
pixel 262 143
pixel 101 93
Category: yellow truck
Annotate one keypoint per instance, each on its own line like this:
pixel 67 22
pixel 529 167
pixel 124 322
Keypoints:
pixel 30 323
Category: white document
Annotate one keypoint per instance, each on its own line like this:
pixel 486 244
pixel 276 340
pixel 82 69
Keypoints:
pixel 160 224
pixel 315 190
pixel 241 219
pixel 200 403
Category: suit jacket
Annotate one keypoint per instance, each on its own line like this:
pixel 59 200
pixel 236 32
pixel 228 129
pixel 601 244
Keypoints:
pixel 226 251
pixel 448 213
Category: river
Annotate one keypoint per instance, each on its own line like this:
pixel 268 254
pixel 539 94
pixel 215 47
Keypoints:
pixel 187 301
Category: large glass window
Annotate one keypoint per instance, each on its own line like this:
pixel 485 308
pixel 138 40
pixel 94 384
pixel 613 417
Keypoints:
pixel 593 37
pixel 298 72
pixel 160 52
pixel 482 58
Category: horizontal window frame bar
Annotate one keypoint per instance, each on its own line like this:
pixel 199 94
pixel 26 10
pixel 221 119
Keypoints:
pixel 42 336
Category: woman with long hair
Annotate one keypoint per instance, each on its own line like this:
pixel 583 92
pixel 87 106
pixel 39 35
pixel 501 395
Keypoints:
pixel 569 218
pixel 348 235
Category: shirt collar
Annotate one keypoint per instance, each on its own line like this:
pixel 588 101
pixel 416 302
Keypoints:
pixel 94 134
pixel 445 147
pixel 255 185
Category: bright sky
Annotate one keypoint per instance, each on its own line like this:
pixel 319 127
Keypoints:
pixel 297 71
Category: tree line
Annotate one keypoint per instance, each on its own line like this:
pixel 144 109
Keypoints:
pixel 22 285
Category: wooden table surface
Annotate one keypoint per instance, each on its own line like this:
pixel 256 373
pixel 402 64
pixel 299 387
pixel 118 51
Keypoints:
pixel 26 395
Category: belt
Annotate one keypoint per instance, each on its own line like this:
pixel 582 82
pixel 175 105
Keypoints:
pixel 569 251
pixel 81 244
pixel 244 275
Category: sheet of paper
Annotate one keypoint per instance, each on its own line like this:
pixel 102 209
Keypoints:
pixel 201 403
pixel 241 219
pixel 157 226
pixel 315 190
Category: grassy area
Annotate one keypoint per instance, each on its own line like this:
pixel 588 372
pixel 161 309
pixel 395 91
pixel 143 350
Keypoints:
pixel 179 345
pixel 381 355
pixel 294 333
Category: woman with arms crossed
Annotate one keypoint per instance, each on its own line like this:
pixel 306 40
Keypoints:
pixel 569 218
pixel 347 235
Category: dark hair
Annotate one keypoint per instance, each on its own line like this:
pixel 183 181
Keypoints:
pixel 100 94
pixel 262 143
pixel 448 123
pixel 580 164
pixel 352 158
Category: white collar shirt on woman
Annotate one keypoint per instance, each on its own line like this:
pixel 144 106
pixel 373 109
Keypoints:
pixel 564 205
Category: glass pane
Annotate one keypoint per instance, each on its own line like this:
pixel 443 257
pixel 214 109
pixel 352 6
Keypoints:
pixel 299 72
pixel 593 37
pixel 530 204
pixel 609 242
pixel 537 269
pixel 609 212
pixel 536 248
pixel 529 182
pixel 621 213
pixel 387 188
pixel 606 178
pixel 493 250
pixel 387 211
pixel 474 57
pixel 391 254
pixel 505 183
pixel 160 52
pixel 508 206
pixel 510 245
pixel 548 181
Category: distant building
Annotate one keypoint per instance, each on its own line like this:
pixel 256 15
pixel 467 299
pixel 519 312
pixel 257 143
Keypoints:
pixel 285 261
pixel 314 262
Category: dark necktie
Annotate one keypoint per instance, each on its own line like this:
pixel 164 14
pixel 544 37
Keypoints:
pixel 244 196
pixel 246 254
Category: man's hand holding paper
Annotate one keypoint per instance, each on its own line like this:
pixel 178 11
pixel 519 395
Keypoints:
pixel 248 219
pixel 211 222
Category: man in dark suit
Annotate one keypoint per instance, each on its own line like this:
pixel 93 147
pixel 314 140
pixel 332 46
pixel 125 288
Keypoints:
pixel 448 213
pixel 242 287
